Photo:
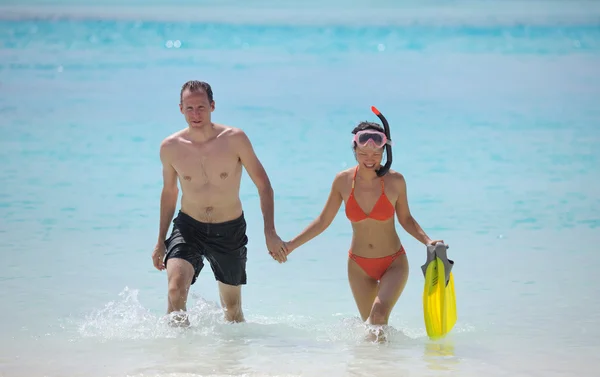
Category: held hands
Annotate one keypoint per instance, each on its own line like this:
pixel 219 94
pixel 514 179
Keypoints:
pixel 275 247
pixel 286 248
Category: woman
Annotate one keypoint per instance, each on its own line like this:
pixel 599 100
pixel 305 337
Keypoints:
pixel 377 263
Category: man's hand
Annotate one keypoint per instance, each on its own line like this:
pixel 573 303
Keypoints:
pixel 274 246
pixel 158 256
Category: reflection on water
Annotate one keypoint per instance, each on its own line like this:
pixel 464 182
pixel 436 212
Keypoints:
pixel 439 355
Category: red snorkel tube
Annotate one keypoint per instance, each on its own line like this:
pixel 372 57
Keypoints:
pixel 388 147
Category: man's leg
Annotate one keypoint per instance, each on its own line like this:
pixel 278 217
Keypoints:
pixel 231 301
pixel 229 269
pixel 227 255
pixel 179 275
pixel 183 262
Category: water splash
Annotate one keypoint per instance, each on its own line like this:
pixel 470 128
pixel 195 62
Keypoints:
pixel 126 318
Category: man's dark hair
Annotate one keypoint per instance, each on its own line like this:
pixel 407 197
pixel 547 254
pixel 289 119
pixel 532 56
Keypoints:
pixel 367 126
pixel 197 86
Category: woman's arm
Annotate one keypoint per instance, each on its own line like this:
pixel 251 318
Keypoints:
pixel 332 206
pixel 403 212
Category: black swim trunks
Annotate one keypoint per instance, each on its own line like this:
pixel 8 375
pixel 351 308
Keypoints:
pixel 222 244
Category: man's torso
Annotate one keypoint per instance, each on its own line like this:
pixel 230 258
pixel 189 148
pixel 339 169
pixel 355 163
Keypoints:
pixel 209 174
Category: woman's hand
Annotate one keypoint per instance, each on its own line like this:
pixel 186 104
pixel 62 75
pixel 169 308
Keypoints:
pixel 287 248
pixel 430 242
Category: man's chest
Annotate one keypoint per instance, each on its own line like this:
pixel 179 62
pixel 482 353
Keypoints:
pixel 207 165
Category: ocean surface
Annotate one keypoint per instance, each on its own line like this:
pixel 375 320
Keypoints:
pixel 495 116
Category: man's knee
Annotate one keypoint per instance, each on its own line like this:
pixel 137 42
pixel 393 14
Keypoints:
pixel 178 290
pixel 179 284
pixel 231 300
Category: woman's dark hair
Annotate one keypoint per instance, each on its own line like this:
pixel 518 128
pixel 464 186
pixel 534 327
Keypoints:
pixel 367 126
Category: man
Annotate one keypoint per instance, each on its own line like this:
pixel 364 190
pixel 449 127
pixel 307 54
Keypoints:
pixel 207 159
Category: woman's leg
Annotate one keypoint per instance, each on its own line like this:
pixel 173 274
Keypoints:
pixel 391 286
pixel 364 288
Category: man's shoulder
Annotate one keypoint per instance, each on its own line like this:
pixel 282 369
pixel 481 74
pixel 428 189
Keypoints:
pixel 235 134
pixel 170 143
pixel 172 139
pixel 228 130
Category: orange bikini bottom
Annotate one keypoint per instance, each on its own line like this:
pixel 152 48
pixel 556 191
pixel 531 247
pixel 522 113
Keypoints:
pixel 376 267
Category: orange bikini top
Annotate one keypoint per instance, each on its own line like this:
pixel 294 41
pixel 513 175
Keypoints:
pixel 382 210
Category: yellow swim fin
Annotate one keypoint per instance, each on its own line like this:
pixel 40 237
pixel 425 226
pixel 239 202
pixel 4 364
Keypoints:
pixel 439 301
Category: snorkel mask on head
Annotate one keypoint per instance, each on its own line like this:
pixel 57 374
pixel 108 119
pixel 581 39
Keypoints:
pixel 370 139
pixel 376 139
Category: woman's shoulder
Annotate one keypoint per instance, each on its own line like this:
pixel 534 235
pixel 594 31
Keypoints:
pixel 395 174
pixel 346 172
pixel 343 176
pixel 395 178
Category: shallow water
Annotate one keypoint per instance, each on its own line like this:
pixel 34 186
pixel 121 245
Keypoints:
pixel 495 124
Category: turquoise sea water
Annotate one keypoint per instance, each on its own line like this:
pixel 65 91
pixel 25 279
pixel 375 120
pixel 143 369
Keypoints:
pixel 496 124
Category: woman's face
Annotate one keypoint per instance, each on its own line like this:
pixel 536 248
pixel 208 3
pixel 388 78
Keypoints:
pixel 369 158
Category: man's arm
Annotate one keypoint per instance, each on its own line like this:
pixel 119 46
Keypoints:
pixel 169 194
pixel 259 176
pixel 403 212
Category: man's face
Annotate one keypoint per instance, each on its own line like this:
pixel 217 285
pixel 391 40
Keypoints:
pixel 196 108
